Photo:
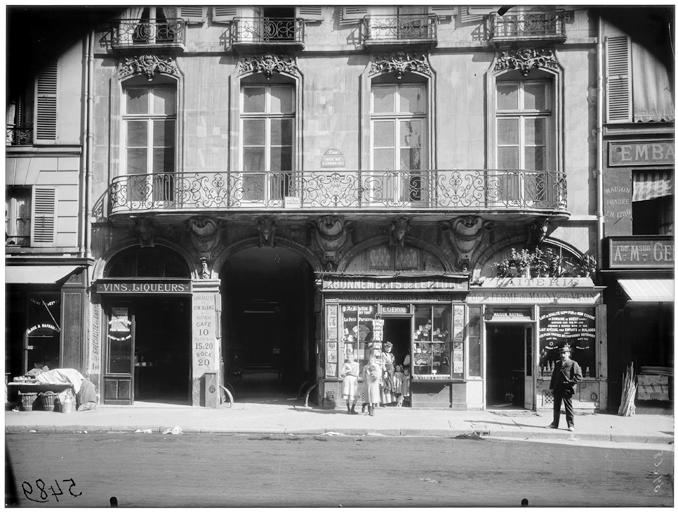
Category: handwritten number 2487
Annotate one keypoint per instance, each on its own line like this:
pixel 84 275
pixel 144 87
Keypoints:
pixel 40 491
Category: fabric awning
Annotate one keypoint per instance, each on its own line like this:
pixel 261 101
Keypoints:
pixel 38 274
pixel 648 290
pixel 652 184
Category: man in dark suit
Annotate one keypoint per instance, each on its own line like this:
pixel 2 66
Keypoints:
pixel 566 374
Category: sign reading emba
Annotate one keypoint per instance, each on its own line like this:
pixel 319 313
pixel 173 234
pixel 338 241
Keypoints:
pixel 143 287
pixel 641 153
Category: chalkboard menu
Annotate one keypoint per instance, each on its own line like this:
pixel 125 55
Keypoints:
pixel 575 327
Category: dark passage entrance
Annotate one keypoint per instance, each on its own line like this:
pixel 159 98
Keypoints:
pixel 162 349
pixel 505 365
pixel 398 332
pixel 268 320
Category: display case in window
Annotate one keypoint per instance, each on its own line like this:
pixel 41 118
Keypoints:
pixel 431 342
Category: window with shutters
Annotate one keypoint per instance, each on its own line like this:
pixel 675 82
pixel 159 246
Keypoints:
pixel 18 216
pixel 352 14
pixel 192 14
pixel 148 135
pixel 399 24
pixel 151 26
pixel 267 127
pixel 268 26
pixel 45 131
pixel 618 79
pixel 19 117
pixel 44 216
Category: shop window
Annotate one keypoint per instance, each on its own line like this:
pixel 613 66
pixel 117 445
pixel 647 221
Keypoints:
pixel 431 343
pixel 399 139
pixel 358 334
pixel 267 127
pixel 149 134
pixel 147 262
pixel 119 358
pixel 523 137
pixel 474 342
pixel 42 336
pixel 652 206
pixel 575 327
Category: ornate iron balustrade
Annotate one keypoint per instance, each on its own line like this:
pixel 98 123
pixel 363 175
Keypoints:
pixel 467 189
pixel 397 28
pixel 126 33
pixel 267 30
pixel 528 25
pixel 19 135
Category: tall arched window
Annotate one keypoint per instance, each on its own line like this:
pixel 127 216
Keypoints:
pixel 267 125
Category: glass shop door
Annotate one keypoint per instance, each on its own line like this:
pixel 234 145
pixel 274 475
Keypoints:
pixel 119 356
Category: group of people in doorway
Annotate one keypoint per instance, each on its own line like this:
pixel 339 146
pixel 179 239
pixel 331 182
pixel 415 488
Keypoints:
pixel 383 381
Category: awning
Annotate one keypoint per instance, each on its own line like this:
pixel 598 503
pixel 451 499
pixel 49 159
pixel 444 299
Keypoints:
pixel 652 184
pixel 648 290
pixel 38 274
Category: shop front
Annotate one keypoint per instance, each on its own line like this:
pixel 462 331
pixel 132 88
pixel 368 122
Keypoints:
pixel 423 317
pixel 523 322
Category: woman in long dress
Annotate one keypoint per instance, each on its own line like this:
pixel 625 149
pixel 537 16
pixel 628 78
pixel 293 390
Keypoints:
pixel 388 362
pixel 349 387
pixel 372 383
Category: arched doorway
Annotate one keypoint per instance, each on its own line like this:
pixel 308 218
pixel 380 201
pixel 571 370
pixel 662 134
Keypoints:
pixel 268 323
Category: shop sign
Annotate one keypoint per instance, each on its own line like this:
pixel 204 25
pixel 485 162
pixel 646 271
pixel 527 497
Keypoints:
pixel 657 152
pixel 332 159
pixel 137 287
pixel 534 297
pixel 395 310
pixel 205 347
pixel 537 282
pixel 425 285
pixel 641 253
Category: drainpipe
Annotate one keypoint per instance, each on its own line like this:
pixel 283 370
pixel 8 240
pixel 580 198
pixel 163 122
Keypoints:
pixel 599 130
pixel 89 141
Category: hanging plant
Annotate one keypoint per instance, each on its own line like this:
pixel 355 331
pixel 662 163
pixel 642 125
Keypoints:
pixel 543 263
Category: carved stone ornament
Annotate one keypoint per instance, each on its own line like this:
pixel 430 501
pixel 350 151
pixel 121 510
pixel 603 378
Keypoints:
pixel 148 66
pixel 465 235
pixel 266 227
pixel 331 233
pixel 400 63
pixel 145 231
pixel 204 234
pixel 399 228
pixel 526 60
pixel 268 65
pixel 537 232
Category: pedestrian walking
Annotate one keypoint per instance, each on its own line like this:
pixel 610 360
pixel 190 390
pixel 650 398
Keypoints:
pixel 566 374
pixel 372 383
pixel 349 387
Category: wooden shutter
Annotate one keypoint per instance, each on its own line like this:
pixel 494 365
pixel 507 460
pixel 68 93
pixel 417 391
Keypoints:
pixel 618 79
pixel 224 13
pixel 192 14
pixel 46 105
pixel 310 12
pixel 353 14
pixel 43 223
pixel 443 10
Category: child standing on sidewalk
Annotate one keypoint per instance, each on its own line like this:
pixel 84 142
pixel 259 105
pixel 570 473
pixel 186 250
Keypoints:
pixel 349 387
pixel 372 383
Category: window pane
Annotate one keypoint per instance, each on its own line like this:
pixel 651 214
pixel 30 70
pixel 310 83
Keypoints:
pixel 163 160
pixel 136 160
pixel 137 134
pixel 410 158
pixel 282 99
pixel 281 158
pixel 254 99
pixel 507 96
pixel 508 131
pixel 384 134
pixel 507 158
pixel 137 101
pixel 411 134
pixel 253 159
pixel 254 132
pixel 164 100
pixel 384 98
pixel 281 132
pixel 383 159
pixel 534 157
pixel 412 99
pixel 535 96
pixel 163 132
pixel 535 131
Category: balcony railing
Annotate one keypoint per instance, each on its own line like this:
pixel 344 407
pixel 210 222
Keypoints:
pixel 19 135
pixel 527 26
pixel 128 33
pixel 427 190
pixel 399 29
pixel 258 31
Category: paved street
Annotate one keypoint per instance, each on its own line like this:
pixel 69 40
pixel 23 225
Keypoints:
pixel 231 470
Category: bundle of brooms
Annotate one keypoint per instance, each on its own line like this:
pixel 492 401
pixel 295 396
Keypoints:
pixel 628 406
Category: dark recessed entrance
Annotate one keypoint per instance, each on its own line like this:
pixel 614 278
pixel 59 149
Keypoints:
pixel 505 365
pixel 399 332
pixel 268 322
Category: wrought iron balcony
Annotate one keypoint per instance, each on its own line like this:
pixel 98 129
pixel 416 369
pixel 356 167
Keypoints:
pixel 399 29
pixel 127 33
pixel 319 190
pixel 19 135
pixel 255 32
pixel 528 26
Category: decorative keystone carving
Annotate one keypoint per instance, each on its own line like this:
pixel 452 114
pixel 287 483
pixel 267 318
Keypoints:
pixel 205 234
pixel 331 233
pixel 268 65
pixel 465 235
pixel 537 232
pixel 266 227
pixel 399 229
pixel 148 66
pixel 526 60
pixel 145 231
pixel 400 63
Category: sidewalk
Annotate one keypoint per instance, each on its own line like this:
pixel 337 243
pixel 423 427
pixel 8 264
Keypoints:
pixel 294 418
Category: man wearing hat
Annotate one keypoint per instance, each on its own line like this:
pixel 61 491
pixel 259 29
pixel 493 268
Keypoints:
pixel 566 374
